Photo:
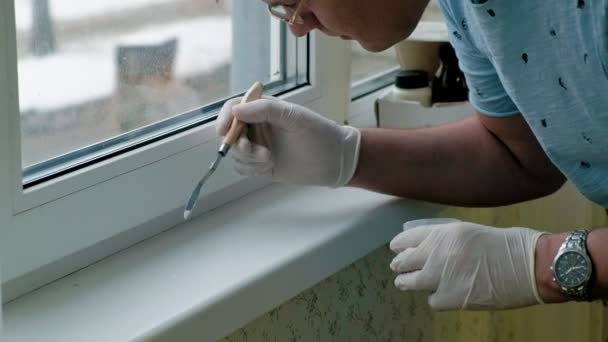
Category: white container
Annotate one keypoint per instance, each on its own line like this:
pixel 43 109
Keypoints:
pixel 412 85
pixel 392 112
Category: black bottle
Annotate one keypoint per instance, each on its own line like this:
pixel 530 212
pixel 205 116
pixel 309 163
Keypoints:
pixel 449 84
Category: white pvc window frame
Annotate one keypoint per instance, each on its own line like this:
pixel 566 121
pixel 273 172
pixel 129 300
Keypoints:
pixel 65 224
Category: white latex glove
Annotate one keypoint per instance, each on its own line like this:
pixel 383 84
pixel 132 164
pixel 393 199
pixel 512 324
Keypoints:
pixel 468 266
pixel 291 143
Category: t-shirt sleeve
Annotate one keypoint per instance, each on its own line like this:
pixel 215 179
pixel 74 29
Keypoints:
pixel 486 92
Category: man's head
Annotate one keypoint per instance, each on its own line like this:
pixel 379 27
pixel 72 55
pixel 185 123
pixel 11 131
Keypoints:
pixel 375 24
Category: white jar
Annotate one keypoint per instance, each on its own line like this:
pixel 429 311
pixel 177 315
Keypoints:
pixel 412 85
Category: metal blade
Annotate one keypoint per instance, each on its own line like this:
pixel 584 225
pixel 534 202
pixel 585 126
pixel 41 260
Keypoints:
pixel 197 189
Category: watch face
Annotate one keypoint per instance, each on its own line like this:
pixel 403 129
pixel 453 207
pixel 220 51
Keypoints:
pixel 571 269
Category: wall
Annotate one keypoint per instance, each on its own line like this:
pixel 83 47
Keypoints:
pixel 360 303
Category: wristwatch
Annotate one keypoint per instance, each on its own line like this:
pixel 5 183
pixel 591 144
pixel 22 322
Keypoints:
pixel 572 267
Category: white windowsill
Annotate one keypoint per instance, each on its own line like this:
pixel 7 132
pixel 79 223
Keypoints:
pixel 210 276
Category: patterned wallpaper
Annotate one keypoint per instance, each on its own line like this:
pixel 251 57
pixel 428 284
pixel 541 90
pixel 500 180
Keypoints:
pixel 359 303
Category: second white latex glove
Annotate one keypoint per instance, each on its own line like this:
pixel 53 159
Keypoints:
pixel 291 143
pixel 468 266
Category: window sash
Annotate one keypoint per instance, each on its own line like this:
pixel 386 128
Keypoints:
pixel 90 155
pixel 85 167
pixel 373 83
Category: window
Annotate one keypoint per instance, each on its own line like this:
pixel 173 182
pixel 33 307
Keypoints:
pixel 108 111
pixel 373 71
pixel 367 65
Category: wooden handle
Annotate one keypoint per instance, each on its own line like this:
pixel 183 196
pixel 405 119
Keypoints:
pixel 237 127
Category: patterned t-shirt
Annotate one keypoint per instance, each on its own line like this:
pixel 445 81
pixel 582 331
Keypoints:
pixel 548 61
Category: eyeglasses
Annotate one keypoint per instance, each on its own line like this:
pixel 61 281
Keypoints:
pixel 287 13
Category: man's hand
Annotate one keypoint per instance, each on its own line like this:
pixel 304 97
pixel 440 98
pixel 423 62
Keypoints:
pixel 468 266
pixel 291 143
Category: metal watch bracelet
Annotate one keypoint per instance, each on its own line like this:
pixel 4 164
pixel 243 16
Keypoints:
pixel 576 240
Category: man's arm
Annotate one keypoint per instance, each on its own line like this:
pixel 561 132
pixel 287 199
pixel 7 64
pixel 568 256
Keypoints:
pixel 480 161
pixel 546 250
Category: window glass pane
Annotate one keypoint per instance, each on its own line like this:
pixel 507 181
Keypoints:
pixel 367 65
pixel 90 71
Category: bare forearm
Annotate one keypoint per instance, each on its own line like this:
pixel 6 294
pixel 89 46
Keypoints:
pixel 546 249
pixel 459 164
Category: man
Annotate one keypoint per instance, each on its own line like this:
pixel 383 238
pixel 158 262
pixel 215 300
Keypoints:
pixel 538 74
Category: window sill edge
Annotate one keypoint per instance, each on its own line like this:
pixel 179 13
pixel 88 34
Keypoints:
pixel 212 275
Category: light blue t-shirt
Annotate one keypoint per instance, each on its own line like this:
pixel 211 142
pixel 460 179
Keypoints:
pixel 547 60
